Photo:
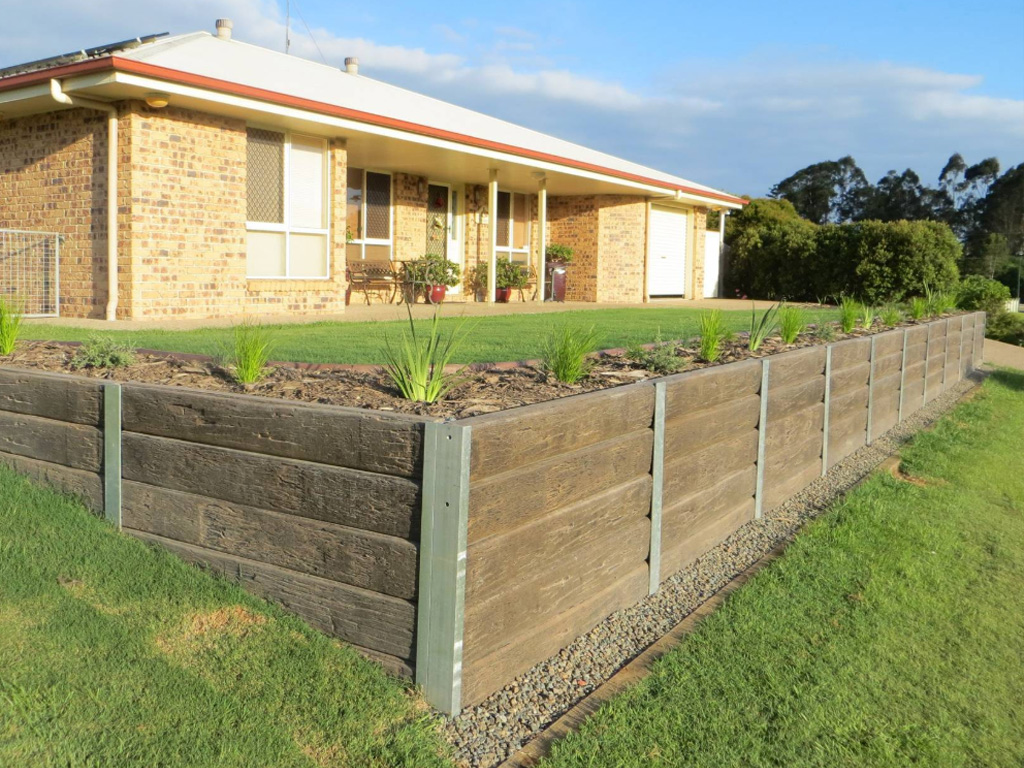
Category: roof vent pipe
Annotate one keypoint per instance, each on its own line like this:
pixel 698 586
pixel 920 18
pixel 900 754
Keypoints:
pixel 352 65
pixel 224 27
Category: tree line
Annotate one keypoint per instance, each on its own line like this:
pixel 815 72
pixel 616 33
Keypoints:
pixel 983 206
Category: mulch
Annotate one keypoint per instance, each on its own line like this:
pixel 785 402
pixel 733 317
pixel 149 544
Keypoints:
pixel 483 388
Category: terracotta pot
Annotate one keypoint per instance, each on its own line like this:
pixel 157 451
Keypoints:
pixel 502 295
pixel 437 293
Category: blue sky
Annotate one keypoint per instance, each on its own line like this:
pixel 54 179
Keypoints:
pixel 737 96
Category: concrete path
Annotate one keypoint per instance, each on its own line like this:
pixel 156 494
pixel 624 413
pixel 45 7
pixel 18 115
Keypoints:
pixel 1004 355
pixel 383 312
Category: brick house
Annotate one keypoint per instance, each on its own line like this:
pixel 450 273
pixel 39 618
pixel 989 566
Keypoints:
pixel 245 180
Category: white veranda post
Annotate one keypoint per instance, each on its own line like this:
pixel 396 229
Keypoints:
pixel 542 222
pixel 492 251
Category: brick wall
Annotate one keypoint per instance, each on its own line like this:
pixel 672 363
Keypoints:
pixel 53 179
pixel 622 246
pixel 699 226
pixel 609 236
pixel 574 221
pixel 187 239
pixel 410 216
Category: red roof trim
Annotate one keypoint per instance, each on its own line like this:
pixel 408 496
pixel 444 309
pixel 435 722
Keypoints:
pixel 186 78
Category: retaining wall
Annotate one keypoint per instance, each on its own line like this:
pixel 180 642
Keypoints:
pixel 576 508
pixel 468 551
pixel 315 507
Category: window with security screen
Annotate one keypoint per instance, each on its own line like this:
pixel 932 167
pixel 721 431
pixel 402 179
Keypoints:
pixel 513 226
pixel 368 215
pixel 286 205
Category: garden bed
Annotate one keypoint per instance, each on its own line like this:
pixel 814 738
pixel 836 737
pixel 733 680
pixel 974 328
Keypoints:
pixel 486 388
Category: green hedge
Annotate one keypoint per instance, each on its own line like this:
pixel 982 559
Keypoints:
pixel 774 253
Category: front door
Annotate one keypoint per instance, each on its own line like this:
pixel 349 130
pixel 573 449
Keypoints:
pixel 442 224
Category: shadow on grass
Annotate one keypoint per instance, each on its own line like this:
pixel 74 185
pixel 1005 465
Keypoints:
pixel 1009 378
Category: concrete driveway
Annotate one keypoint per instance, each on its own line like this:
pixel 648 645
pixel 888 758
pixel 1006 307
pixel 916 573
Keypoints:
pixel 1004 355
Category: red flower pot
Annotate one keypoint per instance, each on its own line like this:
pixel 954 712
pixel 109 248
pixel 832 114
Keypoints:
pixel 437 293
pixel 502 295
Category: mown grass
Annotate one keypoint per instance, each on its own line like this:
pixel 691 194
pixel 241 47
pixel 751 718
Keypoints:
pixel 890 634
pixel 493 338
pixel 115 654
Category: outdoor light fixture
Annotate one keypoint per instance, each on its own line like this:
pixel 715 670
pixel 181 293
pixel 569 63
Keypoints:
pixel 158 100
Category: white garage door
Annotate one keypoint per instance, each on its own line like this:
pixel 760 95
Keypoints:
pixel 666 262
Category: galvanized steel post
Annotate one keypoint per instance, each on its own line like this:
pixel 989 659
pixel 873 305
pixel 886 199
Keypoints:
pixel 761 424
pixel 871 391
pixel 927 360
pixel 903 375
pixel 112 453
pixel 658 476
pixel 974 343
pixel 960 358
pixel 442 586
pixel 828 400
pixel 945 357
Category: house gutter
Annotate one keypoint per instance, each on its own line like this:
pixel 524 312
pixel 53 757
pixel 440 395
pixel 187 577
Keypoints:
pixel 112 157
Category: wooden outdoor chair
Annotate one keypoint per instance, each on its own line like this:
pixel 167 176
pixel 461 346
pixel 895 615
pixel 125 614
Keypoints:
pixel 373 277
pixel 532 283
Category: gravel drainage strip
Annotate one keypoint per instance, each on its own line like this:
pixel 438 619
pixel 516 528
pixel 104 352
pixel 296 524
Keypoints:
pixel 495 730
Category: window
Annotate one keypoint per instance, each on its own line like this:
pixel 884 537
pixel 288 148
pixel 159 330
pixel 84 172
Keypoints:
pixel 368 216
pixel 286 202
pixel 514 226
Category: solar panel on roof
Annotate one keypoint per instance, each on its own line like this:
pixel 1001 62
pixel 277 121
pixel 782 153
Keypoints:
pixel 75 56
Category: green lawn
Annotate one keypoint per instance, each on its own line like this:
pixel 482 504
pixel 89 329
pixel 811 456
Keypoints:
pixel 115 654
pixel 493 339
pixel 890 634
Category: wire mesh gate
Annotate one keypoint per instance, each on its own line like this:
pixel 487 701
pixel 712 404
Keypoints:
pixel 30 271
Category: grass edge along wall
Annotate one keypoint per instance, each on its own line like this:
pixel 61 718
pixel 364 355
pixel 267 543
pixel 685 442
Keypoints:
pixel 527 527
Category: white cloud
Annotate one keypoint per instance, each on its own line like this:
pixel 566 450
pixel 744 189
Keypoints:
pixel 738 124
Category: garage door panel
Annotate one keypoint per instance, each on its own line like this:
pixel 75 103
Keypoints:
pixel 666 275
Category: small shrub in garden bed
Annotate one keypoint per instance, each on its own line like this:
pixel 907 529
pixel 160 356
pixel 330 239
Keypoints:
pixel 416 365
pixel 825 332
pixel 940 302
pixel 849 311
pixel 661 358
pixel 249 353
pixel 565 353
pixel 891 315
pixel 711 335
pixel 761 327
pixel 917 308
pixel 103 352
pixel 10 324
pixel 867 316
pixel 792 322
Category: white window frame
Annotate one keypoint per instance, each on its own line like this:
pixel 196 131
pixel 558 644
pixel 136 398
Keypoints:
pixel 285 228
pixel 509 250
pixel 362 243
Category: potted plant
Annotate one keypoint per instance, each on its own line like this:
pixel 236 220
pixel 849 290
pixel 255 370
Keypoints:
pixel 557 258
pixel 509 277
pixel 476 281
pixel 440 274
pixel 432 275
pixel 559 255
